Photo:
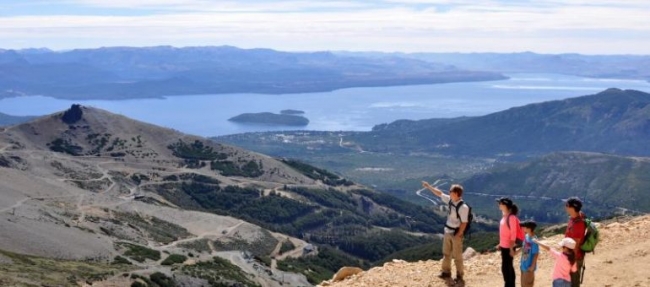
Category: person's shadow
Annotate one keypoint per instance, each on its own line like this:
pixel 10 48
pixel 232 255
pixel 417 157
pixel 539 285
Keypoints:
pixel 453 283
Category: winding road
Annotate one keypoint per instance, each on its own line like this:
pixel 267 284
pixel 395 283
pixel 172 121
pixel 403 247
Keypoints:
pixel 202 236
pixel 419 193
pixel 358 148
pixel 435 201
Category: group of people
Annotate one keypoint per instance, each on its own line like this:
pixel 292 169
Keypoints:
pixel 569 260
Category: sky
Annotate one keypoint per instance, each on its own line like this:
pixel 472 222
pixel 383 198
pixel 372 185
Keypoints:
pixel 543 26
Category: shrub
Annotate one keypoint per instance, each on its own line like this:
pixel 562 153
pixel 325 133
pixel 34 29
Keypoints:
pixel 174 259
pixel 64 146
pixel 287 245
pixel 121 260
pixel 195 151
pixel 139 253
pixel 162 280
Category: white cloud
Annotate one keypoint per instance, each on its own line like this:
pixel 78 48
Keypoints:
pixel 140 3
pixel 221 6
pixel 441 2
pixel 599 26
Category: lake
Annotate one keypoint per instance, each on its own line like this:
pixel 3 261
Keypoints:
pixel 354 109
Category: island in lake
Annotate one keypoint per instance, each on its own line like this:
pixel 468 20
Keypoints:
pixel 270 119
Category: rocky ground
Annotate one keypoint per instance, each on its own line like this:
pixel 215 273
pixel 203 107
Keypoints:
pixel 621 259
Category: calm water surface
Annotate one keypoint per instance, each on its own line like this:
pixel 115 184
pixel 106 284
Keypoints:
pixel 355 109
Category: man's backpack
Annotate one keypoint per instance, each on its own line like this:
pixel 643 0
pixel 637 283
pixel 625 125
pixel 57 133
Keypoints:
pixel 591 236
pixel 470 216
pixel 519 241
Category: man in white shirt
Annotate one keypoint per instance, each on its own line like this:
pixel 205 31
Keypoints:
pixel 457 218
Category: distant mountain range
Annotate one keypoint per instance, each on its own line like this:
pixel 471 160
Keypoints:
pixel 594 66
pixel 125 72
pixel 7 120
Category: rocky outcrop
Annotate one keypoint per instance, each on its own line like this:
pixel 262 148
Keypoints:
pixel 72 115
pixel 343 273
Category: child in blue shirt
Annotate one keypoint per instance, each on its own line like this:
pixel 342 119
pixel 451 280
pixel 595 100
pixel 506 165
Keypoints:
pixel 529 254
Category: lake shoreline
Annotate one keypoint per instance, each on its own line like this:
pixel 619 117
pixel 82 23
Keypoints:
pixel 496 77
pixel 352 109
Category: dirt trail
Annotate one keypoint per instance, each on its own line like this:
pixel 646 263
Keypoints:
pixel 2 149
pixel 232 228
pixel 296 252
pixel 277 248
pixel 105 175
pixel 202 236
pixel 82 217
pixel 621 259
pixel 175 243
pixel 274 254
pixel 22 201
pixel 18 204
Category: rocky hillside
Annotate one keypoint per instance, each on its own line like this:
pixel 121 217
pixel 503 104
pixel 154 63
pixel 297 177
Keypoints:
pixel 613 121
pixel 621 259
pixel 99 191
pixel 7 120
pixel 79 198
pixel 609 185
pixel 84 132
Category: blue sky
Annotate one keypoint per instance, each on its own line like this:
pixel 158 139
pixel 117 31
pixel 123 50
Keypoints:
pixel 545 26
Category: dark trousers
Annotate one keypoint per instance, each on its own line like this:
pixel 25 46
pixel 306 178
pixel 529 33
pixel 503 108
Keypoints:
pixel 576 276
pixel 507 268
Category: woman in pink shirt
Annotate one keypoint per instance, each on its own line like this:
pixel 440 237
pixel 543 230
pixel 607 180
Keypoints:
pixel 565 261
pixel 507 238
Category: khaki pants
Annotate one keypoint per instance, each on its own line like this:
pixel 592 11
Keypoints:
pixel 527 278
pixel 452 247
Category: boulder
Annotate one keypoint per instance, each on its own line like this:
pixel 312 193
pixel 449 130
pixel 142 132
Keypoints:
pixel 469 253
pixel 346 272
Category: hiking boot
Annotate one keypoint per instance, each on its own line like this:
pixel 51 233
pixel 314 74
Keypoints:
pixel 444 275
pixel 459 282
